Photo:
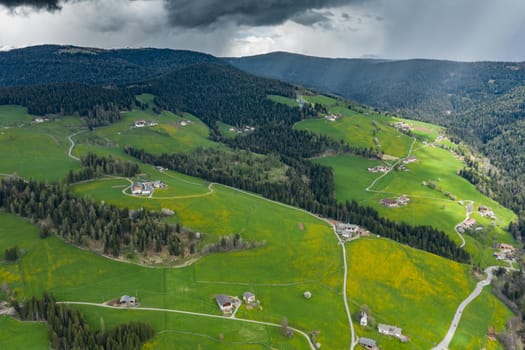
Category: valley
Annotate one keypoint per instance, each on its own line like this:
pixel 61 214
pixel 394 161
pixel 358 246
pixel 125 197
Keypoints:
pixel 299 252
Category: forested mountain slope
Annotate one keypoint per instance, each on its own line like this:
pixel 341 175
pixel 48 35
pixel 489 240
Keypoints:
pixel 413 87
pixel 482 103
pixel 57 64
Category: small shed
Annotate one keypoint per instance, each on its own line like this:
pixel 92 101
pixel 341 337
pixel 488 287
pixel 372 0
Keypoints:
pixel 248 297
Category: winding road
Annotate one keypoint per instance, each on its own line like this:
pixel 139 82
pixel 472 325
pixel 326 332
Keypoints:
pixel 70 150
pixel 444 344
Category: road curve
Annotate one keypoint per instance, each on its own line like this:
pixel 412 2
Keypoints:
pixel 444 344
pixel 310 343
pixel 69 154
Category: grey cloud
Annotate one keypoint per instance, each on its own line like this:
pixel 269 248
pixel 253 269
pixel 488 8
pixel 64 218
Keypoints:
pixel 205 13
pixel 309 17
pixel 49 5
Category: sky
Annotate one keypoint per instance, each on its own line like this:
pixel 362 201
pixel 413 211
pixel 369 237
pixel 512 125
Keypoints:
pixel 465 30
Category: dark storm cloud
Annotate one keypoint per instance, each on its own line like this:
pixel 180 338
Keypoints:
pixel 309 18
pixel 204 13
pixel 50 5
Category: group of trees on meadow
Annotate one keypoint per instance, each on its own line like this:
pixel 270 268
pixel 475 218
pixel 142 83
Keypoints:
pixel 94 166
pixel 79 220
pixel 68 329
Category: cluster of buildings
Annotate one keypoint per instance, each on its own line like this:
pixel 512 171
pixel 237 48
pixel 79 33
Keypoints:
pixel 228 304
pixel 403 127
pixel 146 188
pixel 506 252
pixel 143 123
pixel 400 201
pixel 384 329
pixel 242 129
pixel 348 231
pixel 485 211
pixel 379 169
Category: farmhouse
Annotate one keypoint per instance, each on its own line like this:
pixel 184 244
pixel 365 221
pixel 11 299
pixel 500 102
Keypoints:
pixel 389 330
pixel 392 331
pixel 248 297
pixel 146 188
pixel 403 200
pixel 506 247
pixel 379 169
pixel 469 223
pixel 485 211
pixel 409 160
pixel 332 117
pixel 225 303
pixel 136 188
pixel 346 230
pixel 127 300
pixel 140 123
pixel 403 127
pixel 389 202
pixel 368 343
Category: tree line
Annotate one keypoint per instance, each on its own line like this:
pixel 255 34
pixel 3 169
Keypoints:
pixel 97 105
pixel 68 330
pixel 94 166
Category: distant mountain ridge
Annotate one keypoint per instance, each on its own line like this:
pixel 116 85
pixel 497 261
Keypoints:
pixel 412 87
pixel 47 64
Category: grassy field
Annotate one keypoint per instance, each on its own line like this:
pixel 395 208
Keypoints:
pixel 33 150
pixel 361 130
pixel 194 332
pixel 169 135
pixel 298 255
pixel 411 289
pixel 284 100
pixel 427 206
pixel 16 335
pixel 14 116
pixel 484 312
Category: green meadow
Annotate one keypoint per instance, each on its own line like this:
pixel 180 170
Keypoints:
pixel 300 253
pixel 14 116
pixel 485 311
pixel 440 206
pixel 411 289
pixel 32 150
pixel 284 100
pixel 172 134
pixel 18 335
pixel 361 129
